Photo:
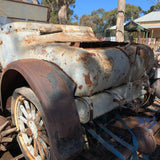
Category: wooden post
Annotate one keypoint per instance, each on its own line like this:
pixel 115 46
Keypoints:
pixel 146 37
pixel 139 36
pixel 152 34
pixel 143 37
pixel 120 21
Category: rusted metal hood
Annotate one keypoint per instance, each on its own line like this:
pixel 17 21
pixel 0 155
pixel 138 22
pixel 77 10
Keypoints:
pixel 92 69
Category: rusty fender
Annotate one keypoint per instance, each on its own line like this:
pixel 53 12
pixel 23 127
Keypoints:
pixel 55 93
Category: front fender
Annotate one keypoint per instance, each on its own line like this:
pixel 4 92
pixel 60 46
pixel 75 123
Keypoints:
pixel 55 91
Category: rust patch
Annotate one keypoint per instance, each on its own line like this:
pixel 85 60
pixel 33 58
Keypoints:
pixel 99 55
pixel 62 54
pixel 80 87
pixel 84 58
pixel 95 77
pixel 18 29
pixel 8 32
pixel 88 80
pixel 15 30
pixel 29 40
pixel 1 42
pixel 146 56
pixel 107 64
pixel 43 51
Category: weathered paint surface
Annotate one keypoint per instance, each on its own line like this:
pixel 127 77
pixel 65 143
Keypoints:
pixel 94 106
pixel 93 70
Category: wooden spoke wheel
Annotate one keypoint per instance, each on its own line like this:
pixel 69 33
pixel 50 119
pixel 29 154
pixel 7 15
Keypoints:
pixel 32 136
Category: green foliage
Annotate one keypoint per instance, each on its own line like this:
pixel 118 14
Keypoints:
pixel 54 17
pixel 94 20
pixel 110 17
pixel 132 11
pixel 53 10
pixel 70 11
pixel 154 7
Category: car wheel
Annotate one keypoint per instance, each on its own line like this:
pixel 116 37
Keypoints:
pixel 26 115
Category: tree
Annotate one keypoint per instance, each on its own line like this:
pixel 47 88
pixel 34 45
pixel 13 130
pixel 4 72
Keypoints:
pixel 53 10
pixel 60 10
pixel 132 11
pixel 154 7
pixel 95 20
pixel 110 17
pixel 63 6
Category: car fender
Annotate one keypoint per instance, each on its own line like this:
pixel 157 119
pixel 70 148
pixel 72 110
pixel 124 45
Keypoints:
pixel 55 91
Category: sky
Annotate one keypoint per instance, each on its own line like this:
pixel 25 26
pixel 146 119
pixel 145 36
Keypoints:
pixel 87 6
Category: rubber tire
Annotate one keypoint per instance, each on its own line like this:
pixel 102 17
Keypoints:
pixel 30 95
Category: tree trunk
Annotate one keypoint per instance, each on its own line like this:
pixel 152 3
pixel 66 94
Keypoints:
pixel 62 14
pixel 120 21
pixel 35 1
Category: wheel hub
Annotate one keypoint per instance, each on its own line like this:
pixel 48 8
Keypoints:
pixel 33 128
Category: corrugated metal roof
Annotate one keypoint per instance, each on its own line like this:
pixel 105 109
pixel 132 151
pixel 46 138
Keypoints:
pixel 152 16
pixel 153 27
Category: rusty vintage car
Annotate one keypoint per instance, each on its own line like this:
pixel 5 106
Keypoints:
pixel 63 88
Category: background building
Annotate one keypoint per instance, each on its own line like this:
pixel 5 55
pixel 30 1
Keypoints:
pixel 151 21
